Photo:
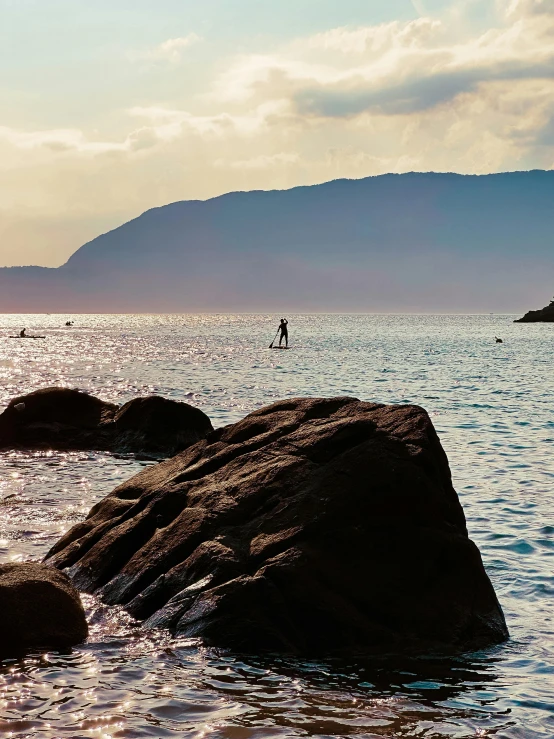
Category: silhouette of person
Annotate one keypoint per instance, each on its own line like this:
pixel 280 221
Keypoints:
pixel 284 332
pixel 22 333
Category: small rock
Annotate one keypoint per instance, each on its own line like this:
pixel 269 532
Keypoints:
pixel 40 608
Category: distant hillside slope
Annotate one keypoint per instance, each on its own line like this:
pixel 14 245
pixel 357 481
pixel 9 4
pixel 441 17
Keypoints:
pixel 414 242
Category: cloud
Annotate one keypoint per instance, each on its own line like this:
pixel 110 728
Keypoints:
pixel 263 161
pixel 164 126
pixel 523 8
pixel 168 51
pixel 57 140
pixel 74 141
pixel 170 124
pixel 399 68
pixel 377 39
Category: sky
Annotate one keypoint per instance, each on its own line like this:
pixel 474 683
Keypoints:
pixel 111 107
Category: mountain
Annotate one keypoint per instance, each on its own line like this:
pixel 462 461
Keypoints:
pixel 411 242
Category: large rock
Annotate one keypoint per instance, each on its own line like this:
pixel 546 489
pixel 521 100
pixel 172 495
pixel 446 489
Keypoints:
pixel 545 315
pixel 61 418
pixel 311 525
pixel 40 608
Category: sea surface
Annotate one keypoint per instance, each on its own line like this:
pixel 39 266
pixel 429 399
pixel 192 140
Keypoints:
pixel 493 407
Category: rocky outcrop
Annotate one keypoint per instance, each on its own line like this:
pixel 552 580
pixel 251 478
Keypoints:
pixel 536 316
pixel 57 418
pixel 40 608
pixel 61 418
pixel 311 525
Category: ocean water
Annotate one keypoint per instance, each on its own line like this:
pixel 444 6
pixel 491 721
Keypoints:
pixel 492 405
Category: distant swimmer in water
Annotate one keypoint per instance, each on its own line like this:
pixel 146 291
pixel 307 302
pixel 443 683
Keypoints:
pixel 498 341
pixel 22 333
pixel 284 332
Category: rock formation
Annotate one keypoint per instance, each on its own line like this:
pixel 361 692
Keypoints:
pixel 311 525
pixel 61 418
pixel 40 608
pixel 535 316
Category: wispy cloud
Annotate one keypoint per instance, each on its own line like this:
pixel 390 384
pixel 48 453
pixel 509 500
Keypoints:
pixel 263 161
pixel 57 140
pixel 168 51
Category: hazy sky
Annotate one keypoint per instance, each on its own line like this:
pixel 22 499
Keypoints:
pixel 110 107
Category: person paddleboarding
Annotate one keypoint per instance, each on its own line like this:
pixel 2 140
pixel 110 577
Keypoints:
pixel 284 332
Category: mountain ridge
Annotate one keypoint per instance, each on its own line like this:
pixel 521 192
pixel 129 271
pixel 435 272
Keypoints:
pixel 414 241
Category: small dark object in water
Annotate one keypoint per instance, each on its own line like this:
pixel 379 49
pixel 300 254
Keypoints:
pixel 498 341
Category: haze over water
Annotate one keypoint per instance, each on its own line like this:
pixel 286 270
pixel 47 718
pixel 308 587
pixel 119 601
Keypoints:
pixel 492 406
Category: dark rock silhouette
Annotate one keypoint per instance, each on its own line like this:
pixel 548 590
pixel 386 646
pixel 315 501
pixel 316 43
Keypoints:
pixel 61 418
pixel 536 316
pixel 156 425
pixel 40 609
pixel 311 525
pixel 416 241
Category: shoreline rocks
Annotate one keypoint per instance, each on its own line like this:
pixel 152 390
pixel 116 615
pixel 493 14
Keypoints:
pixel 545 315
pixel 40 609
pixel 61 418
pixel 312 525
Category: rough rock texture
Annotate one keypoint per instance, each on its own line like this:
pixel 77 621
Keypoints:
pixel 61 418
pixel 40 608
pixel 311 525
pixel 535 316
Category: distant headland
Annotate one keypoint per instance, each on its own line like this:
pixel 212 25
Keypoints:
pixel 416 242
pixel 545 315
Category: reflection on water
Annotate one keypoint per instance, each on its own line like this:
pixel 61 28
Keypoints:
pixel 128 683
pixel 492 406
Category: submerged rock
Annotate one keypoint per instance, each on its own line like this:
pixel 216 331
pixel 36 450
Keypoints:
pixel 311 525
pixel 545 315
pixel 61 418
pixel 40 608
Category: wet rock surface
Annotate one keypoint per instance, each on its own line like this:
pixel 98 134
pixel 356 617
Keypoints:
pixel 40 608
pixel 312 525
pixel 62 418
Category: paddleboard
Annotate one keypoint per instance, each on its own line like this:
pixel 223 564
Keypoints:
pixel 280 347
pixel 26 337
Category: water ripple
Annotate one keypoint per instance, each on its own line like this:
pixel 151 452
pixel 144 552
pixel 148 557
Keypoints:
pixel 492 406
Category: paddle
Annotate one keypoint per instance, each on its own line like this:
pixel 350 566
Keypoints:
pixel 276 335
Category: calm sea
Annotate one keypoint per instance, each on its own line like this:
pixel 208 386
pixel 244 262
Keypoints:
pixel 492 405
